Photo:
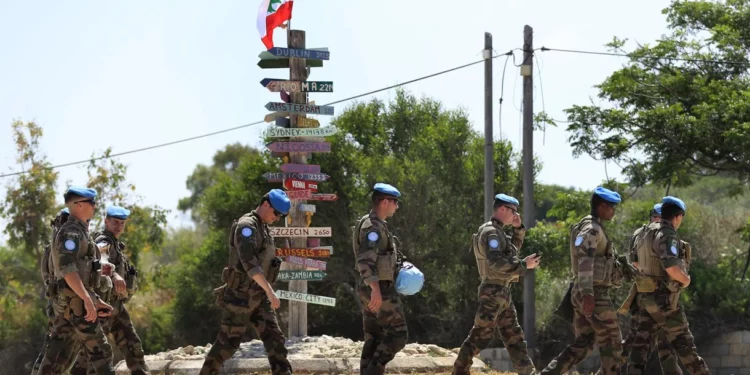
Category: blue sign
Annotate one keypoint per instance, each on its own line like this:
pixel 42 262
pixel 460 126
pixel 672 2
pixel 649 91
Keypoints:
pixel 300 53
pixel 265 81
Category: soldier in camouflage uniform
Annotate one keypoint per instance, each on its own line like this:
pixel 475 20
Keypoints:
pixel 663 263
pixel 76 270
pixel 50 285
pixel 247 296
pixel 593 268
pixel 375 255
pixel 121 287
pixel 499 267
pixel 667 354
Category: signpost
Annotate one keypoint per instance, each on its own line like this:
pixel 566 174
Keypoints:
pixel 300 231
pixel 324 197
pixel 305 122
pixel 275 115
pixel 320 252
pixel 277 132
pixel 307 207
pixel 279 176
pixel 300 168
pixel 301 275
pixel 299 194
pixel 280 62
pixel 307 262
pixel 313 53
pixel 279 85
pixel 300 108
pixel 304 297
pixel 294 184
pixel 300 147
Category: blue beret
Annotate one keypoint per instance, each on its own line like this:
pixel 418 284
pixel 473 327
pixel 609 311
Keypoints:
pixel 409 280
pixel 65 210
pixel 118 212
pixel 506 199
pixel 607 195
pixel 675 201
pixel 81 191
pixel 657 208
pixel 386 189
pixel 279 201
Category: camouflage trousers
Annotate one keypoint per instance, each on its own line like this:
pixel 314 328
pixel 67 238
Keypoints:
pixel 496 309
pixel 235 317
pixel 659 312
pixel 385 331
pixel 120 330
pixel 69 351
pixel 70 331
pixel 601 329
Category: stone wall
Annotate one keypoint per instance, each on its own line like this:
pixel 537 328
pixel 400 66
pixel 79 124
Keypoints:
pixel 728 354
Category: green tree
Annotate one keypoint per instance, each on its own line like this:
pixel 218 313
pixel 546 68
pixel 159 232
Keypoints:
pixel 681 106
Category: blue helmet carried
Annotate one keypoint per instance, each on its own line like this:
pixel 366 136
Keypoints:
pixel 409 280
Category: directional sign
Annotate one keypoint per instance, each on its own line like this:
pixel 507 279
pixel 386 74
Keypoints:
pixel 278 176
pixel 299 194
pixel 308 298
pixel 266 55
pixel 300 53
pixel 294 184
pixel 300 231
pixel 308 253
pixel 300 168
pixel 277 132
pixel 300 147
pixel 323 197
pixel 312 263
pixel 301 275
pixel 275 115
pixel 300 108
pixel 282 122
pixel 279 63
pixel 305 122
pixel 278 85
pixel 307 208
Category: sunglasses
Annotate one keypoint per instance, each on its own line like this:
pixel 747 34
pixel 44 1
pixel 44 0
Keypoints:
pixel 277 213
pixel 89 201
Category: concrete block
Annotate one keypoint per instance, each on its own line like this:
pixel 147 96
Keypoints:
pixel 731 361
pixel 712 362
pixel 719 350
pixel 728 371
pixel 739 349
pixel 746 337
pixel 733 337
pixel 745 371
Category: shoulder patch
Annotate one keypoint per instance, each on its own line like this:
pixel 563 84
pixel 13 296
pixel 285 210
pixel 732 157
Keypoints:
pixel 494 243
pixel 373 236
pixel 246 232
pixel 579 240
pixel 70 245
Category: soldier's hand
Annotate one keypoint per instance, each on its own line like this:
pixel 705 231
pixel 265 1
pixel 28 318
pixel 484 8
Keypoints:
pixel 103 310
pixel 516 222
pixel 119 284
pixel 275 302
pixel 532 261
pixel 588 304
pixel 88 304
pixel 375 301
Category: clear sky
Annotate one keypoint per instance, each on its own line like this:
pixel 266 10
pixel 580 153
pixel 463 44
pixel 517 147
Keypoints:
pixel 132 74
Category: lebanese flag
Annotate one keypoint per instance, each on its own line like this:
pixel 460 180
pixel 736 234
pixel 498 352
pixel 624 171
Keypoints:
pixel 272 14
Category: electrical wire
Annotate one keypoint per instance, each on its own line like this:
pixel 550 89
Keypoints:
pixel 257 122
pixel 545 49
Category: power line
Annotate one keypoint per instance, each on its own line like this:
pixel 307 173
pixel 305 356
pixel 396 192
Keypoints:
pixel 509 53
pixel 632 56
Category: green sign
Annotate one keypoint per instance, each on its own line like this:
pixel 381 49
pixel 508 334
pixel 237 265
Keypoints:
pixel 301 275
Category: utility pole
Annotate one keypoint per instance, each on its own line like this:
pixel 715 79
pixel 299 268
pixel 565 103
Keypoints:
pixel 529 305
pixel 297 72
pixel 489 165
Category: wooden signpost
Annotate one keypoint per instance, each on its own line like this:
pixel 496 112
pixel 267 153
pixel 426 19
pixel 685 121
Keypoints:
pixel 301 275
pixel 304 122
pixel 324 197
pixel 299 194
pixel 306 298
pixel 274 116
pixel 294 184
pixel 312 53
pixel 300 231
pixel 307 208
pixel 300 108
pixel 300 168
pixel 307 262
pixel 279 85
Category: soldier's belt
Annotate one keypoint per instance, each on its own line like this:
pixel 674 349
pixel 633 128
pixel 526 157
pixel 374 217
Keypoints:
pixel 497 282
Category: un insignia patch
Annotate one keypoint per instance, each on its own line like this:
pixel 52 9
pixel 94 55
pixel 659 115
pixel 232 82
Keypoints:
pixel 372 236
pixel 247 232
pixel 70 245
pixel 579 240
pixel 494 244
pixel 673 249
